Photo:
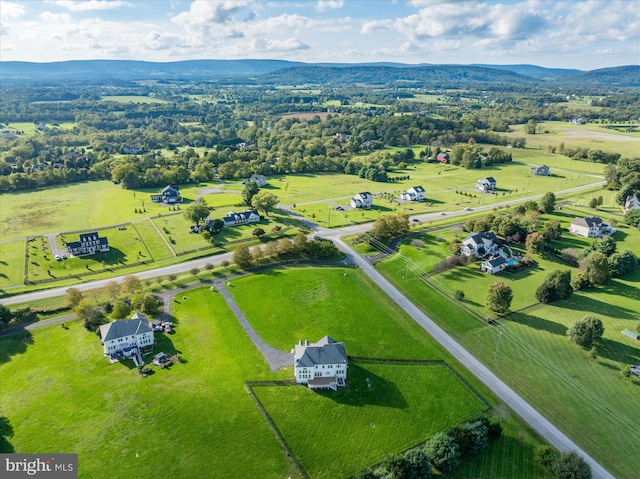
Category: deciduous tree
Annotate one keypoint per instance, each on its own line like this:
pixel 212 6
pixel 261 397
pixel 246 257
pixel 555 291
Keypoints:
pixel 569 465
pixel 499 297
pixel 584 332
pixel 196 212
pixel 596 267
pixel 264 201
pixel 242 256
pixel 73 297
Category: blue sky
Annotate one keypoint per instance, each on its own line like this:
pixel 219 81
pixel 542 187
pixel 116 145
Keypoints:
pixel 583 34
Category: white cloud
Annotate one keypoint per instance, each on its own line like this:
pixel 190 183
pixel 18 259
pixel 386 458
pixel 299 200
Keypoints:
pixel 372 27
pixel 324 5
pixel 204 12
pixel 84 6
pixel 11 10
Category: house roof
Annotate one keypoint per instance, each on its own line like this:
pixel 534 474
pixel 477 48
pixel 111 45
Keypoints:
pixel 363 195
pixel 631 203
pixel 496 261
pixel 326 351
pixel 417 189
pixel 485 239
pixel 232 216
pixel 489 179
pixel 128 327
pixel 589 222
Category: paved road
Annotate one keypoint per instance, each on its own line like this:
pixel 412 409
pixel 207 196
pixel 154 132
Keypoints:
pixel 538 422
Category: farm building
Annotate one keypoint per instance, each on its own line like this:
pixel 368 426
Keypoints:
pixel 486 184
pixel 542 170
pixel 415 193
pixel 125 338
pixel 442 157
pixel 590 227
pixel 233 219
pixel 480 244
pixel 362 200
pixel 89 243
pixel 169 195
pixel 321 365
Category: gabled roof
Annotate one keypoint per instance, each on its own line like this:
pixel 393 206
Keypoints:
pixel 417 189
pixel 589 222
pixel 496 261
pixel 363 194
pixel 138 324
pixel 170 188
pixel 326 351
pixel 489 179
pixel 485 239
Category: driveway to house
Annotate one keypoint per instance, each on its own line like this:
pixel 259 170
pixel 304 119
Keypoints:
pixel 53 245
pixel 536 420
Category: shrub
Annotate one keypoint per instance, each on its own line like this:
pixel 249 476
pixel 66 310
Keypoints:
pixel 459 295
pixel 545 455
pixel 557 285
pixel 580 281
pixel 475 437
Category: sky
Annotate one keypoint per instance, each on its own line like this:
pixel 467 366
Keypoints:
pixel 582 34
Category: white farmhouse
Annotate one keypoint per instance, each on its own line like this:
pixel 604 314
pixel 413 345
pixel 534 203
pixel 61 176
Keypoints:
pixel 260 180
pixel 415 193
pixel 321 365
pixel 124 338
pixel 542 170
pixel 362 200
pixel 486 184
pixel 480 244
pixel 590 227
pixel 243 218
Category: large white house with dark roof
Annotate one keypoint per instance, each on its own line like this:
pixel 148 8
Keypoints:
pixel 590 227
pixel 631 203
pixel 486 184
pixel 126 337
pixel 480 244
pixel 415 193
pixel 243 218
pixel 321 365
pixel 362 200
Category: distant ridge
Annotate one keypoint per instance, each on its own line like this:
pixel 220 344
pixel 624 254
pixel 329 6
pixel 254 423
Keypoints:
pixel 288 72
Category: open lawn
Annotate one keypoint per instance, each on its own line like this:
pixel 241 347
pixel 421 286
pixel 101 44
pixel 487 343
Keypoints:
pixel 192 420
pixel 12 263
pixel 384 408
pixel 153 240
pixel 590 136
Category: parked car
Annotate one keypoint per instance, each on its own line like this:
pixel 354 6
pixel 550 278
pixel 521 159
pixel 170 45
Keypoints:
pixel 58 258
pixel 64 256
pixel 468 209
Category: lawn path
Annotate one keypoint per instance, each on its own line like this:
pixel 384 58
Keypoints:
pixel 277 359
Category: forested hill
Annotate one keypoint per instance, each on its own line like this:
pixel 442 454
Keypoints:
pixel 445 76
pixel 282 72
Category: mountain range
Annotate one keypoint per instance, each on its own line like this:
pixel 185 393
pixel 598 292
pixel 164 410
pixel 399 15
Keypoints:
pixel 282 72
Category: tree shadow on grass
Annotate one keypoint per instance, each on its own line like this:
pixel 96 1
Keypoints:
pixel 366 388
pixel 540 323
pixel 13 344
pixel 593 306
pixel 616 351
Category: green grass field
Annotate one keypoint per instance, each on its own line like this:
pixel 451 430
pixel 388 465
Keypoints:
pixel 192 420
pixel 586 399
pixel 383 406
pixel 153 240
pixel 590 136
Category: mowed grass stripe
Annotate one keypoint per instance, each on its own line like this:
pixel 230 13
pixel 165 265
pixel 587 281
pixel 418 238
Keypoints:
pixel 153 241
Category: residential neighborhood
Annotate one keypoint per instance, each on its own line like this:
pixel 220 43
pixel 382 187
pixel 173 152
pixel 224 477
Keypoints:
pixel 362 200
pixel 170 194
pixel 591 227
pixel 127 338
pixel 486 184
pixel 88 244
pixel 415 193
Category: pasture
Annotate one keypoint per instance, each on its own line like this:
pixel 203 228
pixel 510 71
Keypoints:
pixel 191 420
pixel 12 263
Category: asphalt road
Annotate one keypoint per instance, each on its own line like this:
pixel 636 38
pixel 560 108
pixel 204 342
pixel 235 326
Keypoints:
pixel 507 395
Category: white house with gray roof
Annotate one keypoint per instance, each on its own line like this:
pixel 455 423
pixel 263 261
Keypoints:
pixel 126 337
pixel 362 200
pixel 480 244
pixel 321 365
pixel 415 193
pixel 590 227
